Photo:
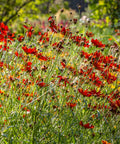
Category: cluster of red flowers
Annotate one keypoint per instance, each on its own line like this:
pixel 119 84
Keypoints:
pixel 6 65
pixel 114 100
pixel 103 64
pixel 53 26
pixel 35 52
pixel 44 37
pixel 90 93
pixel 64 79
pixel 80 41
pixel 65 31
pixel 5 36
pixel 58 46
pixel 97 43
pixel 98 106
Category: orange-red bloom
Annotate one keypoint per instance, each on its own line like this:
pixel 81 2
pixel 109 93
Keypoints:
pixel 41 84
pixel 97 43
pixel 105 142
pixel 70 104
pixel 29 30
pixel 87 126
pixel 30 50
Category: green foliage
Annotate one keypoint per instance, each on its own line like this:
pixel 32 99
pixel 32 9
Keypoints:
pixel 10 9
pixel 106 9
pixel 66 5
pixel 14 12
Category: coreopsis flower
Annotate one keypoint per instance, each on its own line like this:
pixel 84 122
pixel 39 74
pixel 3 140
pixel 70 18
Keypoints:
pixel 87 126
pixel 41 84
pixel 20 38
pixel 1 92
pixel 1 64
pixel 63 64
pixel 89 34
pixel 3 28
pixel 29 30
pixel 44 37
pixel 80 41
pixel 41 57
pixel 65 31
pixel 85 92
pixel 16 53
pixel 70 104
pixel 115 106
pixel 95 79
pixel 28 66
pixel 108 76
pixel 64 79
pixel 5 35
pixel 97 43
pixel 105 142
pixel 52 26
pixel 90 93
pixel 30 50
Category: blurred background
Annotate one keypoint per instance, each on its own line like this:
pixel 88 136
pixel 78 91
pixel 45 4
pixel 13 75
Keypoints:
pixel 16 12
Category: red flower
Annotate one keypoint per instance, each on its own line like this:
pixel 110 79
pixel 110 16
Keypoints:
pixel 1 64
pixel 90 93
pixel 20 38
pixel 87 126
pixel 41 84
pixel 41 57
pixel 53 26
pixel 30 31
pixel 115 105
pixel 16 53
pixel 63 64
pixel 110 78
pixel 58 45
pixel 30 50
pixel 28 67
pixel 85 92
pixel 5 35
pixel 80 41
pixel 105 142
pixel 62 78
pixel 97 43
pixel 89 34
pixel 44 37
pixel 18 98
pixel 95 80
pixel 70 104
pixel 65 31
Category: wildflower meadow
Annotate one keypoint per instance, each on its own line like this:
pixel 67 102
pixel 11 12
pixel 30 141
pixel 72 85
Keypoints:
pixel 60 84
